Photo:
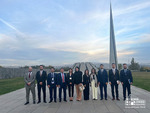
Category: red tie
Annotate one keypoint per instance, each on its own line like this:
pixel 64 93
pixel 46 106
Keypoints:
pixel 29 74
pixel 63 77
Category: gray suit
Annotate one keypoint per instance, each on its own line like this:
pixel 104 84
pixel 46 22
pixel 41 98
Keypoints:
pixel 31 87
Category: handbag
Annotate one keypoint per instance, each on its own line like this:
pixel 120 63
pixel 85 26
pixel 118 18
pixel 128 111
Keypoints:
pixel 81 88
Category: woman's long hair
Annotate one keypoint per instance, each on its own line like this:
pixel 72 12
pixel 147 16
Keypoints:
pixel 85 72
pixel 92 71
pixel 70 69
pixel 76 68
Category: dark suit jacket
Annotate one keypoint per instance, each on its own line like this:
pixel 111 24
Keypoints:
pixel 49 79
pixel 86 79
pixel 70 80
pixel 102 77
pixel 59 79
pixel 124 77
pixel 113 78
pixel 78 77
pixel 41 78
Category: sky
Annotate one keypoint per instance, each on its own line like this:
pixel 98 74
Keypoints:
pixel 60 32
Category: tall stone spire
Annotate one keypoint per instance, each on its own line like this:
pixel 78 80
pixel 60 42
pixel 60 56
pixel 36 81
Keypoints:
pixel 113 52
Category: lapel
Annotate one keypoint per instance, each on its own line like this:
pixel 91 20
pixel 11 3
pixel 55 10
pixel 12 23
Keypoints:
pixel 40 74
pixel 126 72
pixel 52 75
pixel 113 72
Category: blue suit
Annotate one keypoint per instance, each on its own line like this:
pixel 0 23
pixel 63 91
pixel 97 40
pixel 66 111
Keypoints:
pixel 126 78
pixel 63 85
pixel 103 78
pixel 52 81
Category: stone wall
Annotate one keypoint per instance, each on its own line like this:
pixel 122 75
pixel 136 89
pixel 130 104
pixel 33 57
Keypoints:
pixel 6 73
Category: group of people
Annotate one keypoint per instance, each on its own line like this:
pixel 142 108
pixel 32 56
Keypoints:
pixel 81 82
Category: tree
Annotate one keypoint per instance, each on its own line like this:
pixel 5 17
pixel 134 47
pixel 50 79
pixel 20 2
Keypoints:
pixel 134 65
pixel 119 66
pixel 144 68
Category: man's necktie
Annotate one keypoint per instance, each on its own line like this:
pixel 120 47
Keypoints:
pixel 63 77
pixel 29 74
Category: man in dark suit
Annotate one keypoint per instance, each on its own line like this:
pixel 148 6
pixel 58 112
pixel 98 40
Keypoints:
pixel 126 80
pixel 41 77
pixel 62 84
pixel 103 81
pixel 52 84
pixel 114 81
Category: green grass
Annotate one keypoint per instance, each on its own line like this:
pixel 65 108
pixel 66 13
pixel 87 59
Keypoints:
pixel 8 85
pixel 141 80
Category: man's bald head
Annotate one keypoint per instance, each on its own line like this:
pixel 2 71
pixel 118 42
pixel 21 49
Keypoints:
pixel 30 69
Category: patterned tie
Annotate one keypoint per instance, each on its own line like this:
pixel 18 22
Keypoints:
pixel 63 77
pixel 29 74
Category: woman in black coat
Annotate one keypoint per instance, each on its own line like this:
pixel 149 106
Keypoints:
pixel 78 83
pixel 70 80
pixel 86 82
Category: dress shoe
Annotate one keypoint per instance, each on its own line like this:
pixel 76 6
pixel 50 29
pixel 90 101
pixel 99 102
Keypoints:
pixel 45 102
pixel 38 102
pixel 33 102
pixel 101 99
pixel 113 98
pixel 124 99
pixel 50 101
pixel 118 99
pixel 55 101
pixel 26 103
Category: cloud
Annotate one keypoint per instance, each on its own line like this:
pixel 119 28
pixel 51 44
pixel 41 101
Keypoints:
pixel 63 33
pixel 133 7
pixel 10 26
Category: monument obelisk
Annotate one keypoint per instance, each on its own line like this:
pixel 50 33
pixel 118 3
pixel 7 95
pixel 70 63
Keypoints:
pixel 113 52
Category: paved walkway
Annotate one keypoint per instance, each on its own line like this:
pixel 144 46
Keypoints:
pixel 14 103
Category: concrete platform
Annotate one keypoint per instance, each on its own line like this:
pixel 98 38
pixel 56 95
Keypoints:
pixel 14 103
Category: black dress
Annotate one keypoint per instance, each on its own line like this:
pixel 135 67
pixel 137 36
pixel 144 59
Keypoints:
pixel 70 79
pixel 86 81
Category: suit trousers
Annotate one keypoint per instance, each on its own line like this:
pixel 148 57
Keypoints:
pixel 116 89
pixel 28 89
pixel 64 87
pixel 71 90
pixel 53 92
pixel 79 93
pixel 43 87
pixel 94 90
pixel 103 85
pixel 127 86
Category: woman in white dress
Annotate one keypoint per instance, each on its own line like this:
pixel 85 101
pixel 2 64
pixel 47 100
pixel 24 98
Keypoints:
pixel 94 83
